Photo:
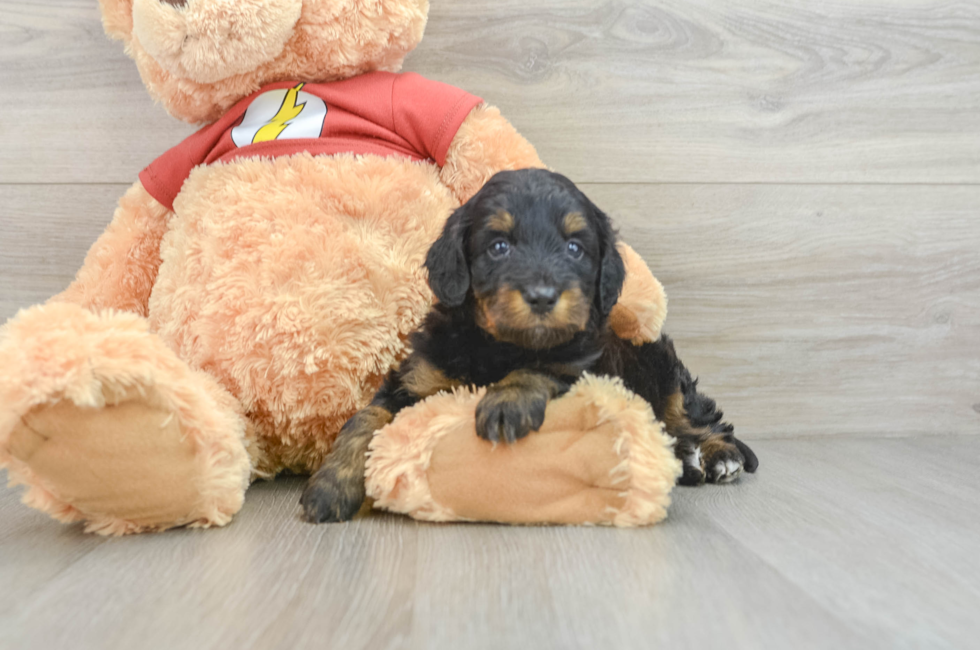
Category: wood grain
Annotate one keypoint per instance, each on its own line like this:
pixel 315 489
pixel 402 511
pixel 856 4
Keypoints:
pixel 875 531
pixel 708 91
pixel 45 232
pixel 854 543
pixel 267 581
pixel 602 588
pixel 688 91
pixel 75 106
pixel 819 309
pixel 33 549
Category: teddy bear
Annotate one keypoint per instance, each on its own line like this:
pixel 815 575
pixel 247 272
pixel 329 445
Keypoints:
pixel 259 279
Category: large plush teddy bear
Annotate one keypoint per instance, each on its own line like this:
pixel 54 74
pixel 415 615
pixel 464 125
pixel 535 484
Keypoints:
pixel 259 279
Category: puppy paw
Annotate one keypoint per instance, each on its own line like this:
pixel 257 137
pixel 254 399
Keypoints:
pixel 723 462
pixel 509 414
pixel 329 497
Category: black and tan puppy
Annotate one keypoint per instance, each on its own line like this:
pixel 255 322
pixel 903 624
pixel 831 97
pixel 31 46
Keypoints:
pixel 526 273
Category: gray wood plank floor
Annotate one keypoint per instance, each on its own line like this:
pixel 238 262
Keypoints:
pixel 841 543
pixel 805 180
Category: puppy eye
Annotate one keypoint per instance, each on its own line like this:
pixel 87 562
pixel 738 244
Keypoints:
pixel 575 249
pixel 499 249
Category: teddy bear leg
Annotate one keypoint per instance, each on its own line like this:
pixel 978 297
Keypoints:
pixel 104 424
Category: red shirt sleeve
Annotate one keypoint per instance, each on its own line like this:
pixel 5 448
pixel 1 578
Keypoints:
pixel 163 177
pixel 424 117
pixel 429 113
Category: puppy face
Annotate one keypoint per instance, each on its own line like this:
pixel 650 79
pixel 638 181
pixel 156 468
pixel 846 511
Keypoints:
pixel 532 256
pixel 533 263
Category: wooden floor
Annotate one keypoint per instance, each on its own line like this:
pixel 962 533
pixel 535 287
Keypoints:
pixel 844 543
pixel 803 177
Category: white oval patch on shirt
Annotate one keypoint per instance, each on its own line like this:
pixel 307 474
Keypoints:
pixel 282 114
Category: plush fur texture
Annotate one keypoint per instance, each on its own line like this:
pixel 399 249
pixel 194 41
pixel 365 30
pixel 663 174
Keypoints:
pixel 641 310
pixel 66 355
pixel 300 300
pixel 121 267
pixel 210 41
pixel 330 39
pixel 484 144
pixel 599 458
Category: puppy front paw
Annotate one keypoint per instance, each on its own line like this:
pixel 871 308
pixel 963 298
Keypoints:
pixel 332 497
pixel 722 461
pixel 509 414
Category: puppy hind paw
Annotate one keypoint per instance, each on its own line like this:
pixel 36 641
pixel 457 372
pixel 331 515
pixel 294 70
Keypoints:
pixel 724 471
pixel 723 464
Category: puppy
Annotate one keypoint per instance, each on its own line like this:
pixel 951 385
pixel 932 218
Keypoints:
pixel 526 273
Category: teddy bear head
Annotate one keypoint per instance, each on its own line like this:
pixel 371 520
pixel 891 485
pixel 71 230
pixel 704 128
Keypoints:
pixel 199 57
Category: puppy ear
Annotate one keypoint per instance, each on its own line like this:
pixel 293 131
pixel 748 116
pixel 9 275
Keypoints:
pixel 612 270
pixel 611 276
pixel 449 274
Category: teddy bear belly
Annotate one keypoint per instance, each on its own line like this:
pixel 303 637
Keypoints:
pixel 294 282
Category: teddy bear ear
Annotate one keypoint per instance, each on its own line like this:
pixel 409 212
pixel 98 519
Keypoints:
pixel 117 18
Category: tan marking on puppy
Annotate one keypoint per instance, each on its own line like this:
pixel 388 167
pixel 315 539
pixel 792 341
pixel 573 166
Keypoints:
pixel 571 310
pixel 503 221
pixel 515 311
pixel 675 416
pixel 529 380
pixel 425 379
pixel 506 316
pixel 484 315
pixel 370 418
pixel 347 458
pixel 714 444
pixel 574 222
pixel 503 305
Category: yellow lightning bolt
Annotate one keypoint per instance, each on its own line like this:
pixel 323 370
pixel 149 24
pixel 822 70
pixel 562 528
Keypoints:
pixel 289 110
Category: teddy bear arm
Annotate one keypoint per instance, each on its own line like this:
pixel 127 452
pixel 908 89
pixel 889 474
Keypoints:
pixel 121 267
pixel 639 314
pixel 485 144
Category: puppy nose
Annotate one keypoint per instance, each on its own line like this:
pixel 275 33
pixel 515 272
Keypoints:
pixel 542 299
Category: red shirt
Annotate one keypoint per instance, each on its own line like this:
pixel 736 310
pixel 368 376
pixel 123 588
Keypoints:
pixel 375 113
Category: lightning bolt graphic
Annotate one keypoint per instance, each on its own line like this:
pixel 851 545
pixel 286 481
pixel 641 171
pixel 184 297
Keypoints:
pixel 289 110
